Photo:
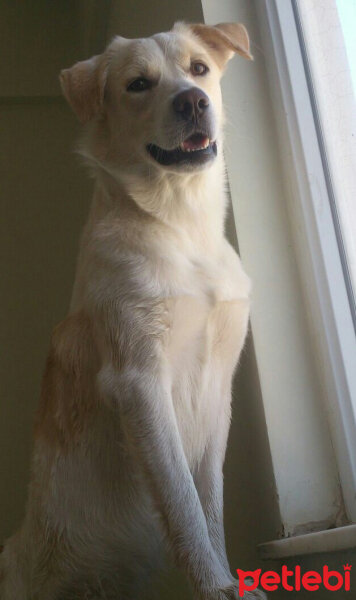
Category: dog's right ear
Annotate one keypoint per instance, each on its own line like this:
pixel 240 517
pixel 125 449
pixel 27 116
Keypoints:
pixel 223 40
pixel 83 86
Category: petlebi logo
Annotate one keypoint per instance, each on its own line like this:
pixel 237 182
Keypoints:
pixel 294 580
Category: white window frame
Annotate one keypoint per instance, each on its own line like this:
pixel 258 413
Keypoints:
pixel 316 252
pixel 319 246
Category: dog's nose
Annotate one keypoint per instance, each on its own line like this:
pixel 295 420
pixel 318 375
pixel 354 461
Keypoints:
pixel 191 103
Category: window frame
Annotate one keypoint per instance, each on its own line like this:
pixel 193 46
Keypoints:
pixel 320 261
pixel 299 237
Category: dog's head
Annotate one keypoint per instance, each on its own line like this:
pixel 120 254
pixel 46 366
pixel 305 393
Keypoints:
pixel 156 101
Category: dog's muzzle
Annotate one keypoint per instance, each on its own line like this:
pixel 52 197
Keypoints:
pixel 192 109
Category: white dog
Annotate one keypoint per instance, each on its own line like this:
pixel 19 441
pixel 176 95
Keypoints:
pixel 133 421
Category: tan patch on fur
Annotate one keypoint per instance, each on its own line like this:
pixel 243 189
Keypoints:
pixel 68 398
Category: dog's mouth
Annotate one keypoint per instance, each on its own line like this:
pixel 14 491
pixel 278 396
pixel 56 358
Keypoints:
pixel 195 150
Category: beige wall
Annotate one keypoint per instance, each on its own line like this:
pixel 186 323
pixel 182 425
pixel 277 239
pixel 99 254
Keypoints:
pixel 45 195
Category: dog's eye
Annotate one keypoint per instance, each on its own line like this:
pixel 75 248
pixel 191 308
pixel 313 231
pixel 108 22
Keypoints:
pixel 198 68
pixel 139 85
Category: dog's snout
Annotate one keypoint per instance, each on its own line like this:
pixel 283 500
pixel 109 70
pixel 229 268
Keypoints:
pixel 191 103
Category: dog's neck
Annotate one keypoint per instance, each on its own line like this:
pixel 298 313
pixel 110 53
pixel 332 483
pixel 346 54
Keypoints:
pixel 178 200
pixel 192 208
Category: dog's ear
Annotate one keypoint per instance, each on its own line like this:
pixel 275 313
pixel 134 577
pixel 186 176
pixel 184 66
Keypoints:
pixel 83 86
pixel 224 40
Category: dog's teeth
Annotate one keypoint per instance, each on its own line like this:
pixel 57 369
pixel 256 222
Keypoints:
pixel 203 147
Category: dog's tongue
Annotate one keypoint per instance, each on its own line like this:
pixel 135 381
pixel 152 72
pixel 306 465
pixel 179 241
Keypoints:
pixel 197 141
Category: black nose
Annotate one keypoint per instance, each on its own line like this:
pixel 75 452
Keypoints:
pixel 191 103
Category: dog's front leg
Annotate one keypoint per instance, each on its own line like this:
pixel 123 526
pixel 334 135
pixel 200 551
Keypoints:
pixel 145 405
pixel 209 483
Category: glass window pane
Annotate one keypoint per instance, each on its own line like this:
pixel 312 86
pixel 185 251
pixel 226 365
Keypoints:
pixel 329 31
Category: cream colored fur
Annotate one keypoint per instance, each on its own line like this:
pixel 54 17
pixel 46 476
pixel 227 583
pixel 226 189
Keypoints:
pixel 133 421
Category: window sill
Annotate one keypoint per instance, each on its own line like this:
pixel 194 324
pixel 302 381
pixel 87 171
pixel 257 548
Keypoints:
pixel 331 540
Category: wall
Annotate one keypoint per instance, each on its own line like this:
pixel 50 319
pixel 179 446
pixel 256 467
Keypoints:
pixel 45 195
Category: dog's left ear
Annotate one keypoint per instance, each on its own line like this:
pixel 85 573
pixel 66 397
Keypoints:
pixel 83 86
pixel 224 40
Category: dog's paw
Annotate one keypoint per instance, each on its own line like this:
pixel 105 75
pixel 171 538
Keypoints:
pixel 232 593
pixel 255 595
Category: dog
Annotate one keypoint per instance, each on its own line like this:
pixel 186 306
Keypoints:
pixel 132 425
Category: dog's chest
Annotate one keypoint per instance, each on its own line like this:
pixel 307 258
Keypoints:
pixel 206 330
